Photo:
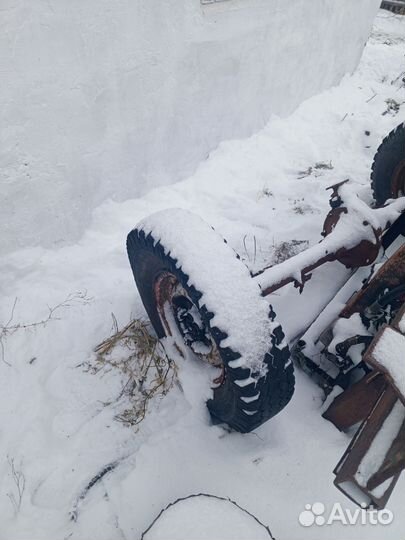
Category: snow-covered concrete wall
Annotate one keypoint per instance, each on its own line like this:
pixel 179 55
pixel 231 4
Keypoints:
pixel 108 98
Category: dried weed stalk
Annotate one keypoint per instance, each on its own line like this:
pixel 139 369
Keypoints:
pixel 19 485
pixel 286 250
pixel 10 327
pixel 140 359
pixel 315 169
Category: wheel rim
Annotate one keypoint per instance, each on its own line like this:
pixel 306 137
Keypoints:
pixel 398 180
pixel 182 321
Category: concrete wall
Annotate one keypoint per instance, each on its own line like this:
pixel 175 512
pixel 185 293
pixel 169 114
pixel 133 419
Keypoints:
pixel 108 98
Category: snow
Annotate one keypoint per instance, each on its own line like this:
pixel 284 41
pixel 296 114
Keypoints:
pixel 108 99
pixel 374 458
pixel 389 351
pixel 55 419
pixel 227 288
pixel 204 518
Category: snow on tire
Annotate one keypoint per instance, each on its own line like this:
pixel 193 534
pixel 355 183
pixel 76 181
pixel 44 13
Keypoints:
pixel 388 169
pixel 193 285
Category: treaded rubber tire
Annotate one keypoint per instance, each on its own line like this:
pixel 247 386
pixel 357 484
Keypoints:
pixel 148 259
pixel 389 155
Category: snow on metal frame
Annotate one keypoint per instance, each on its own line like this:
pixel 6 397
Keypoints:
pixel 348 233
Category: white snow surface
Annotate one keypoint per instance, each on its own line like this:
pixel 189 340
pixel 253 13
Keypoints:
pixel 56 423
pixel 389 351
pixel 225 282
pixel 110 98
pixel 206 518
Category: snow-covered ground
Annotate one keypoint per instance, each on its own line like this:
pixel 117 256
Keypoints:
pixel 211 516
pixel 56 430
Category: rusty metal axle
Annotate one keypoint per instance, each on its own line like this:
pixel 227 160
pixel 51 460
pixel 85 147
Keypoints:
pixel 353 235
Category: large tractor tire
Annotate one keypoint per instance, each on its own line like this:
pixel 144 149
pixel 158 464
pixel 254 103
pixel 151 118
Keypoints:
pixel 388 169
pixel 199 294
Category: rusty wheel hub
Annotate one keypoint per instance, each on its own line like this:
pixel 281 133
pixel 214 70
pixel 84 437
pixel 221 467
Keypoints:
pixel 182 321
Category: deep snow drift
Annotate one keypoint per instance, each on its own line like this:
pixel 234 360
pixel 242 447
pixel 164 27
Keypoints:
pixel 267 196
pixel 109 98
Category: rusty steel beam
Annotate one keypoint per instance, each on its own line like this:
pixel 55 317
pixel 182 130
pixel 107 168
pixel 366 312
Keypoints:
pixel 378 403
pixel 354 404
pixel 393 463
pixel 348 480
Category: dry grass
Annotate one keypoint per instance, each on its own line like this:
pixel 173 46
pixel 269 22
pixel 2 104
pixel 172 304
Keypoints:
pixel 138 357
pixel 286 250
pixel 265 192
pixel 393 107
pixel 315 169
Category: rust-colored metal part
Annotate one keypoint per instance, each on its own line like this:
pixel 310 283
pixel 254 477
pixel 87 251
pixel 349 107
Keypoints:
pixel 390 275
pixel 331 220
pixel 347 478
pixel 354 404
pixel 335 200
pixel 163 289
pixel 365 252
pixel 219 381
pixel 393 463
pixel 166 287
pixel 373 361
pixel 398 180
pixel 362 254
pixel 305 276
pixel 370 401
